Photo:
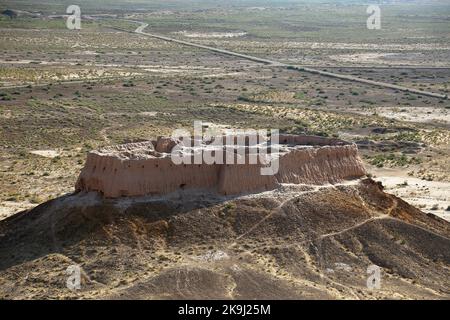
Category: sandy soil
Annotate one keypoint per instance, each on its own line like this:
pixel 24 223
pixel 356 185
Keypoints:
pixel 372 57
pixel 46 153
pixel 429 196
pixel 399 59
pixel 8 208
pixel 412 114
pixel 210 35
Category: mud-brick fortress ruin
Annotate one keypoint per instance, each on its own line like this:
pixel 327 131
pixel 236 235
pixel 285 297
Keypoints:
pixel 147 168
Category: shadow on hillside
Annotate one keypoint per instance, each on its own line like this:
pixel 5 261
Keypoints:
pixel 62 223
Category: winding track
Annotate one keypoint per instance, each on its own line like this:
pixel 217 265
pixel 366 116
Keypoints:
pixel 141 28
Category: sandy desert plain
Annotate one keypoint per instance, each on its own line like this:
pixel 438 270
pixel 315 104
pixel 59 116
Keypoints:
pixel 65 92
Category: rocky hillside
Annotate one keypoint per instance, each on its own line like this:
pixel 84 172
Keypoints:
pixel 297 242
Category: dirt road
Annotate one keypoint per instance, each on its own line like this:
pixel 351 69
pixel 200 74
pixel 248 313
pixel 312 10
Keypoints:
pixel 143 26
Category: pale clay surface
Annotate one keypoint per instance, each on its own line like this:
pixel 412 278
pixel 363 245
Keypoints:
pixel 146 168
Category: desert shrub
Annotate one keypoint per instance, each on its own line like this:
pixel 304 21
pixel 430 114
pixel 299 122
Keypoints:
pixel 128 84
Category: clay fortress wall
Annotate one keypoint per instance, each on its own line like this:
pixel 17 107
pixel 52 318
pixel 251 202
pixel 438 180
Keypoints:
pixel 146 168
